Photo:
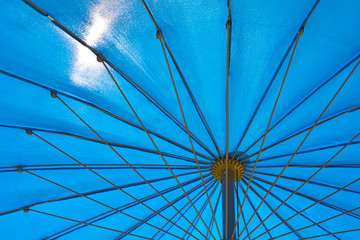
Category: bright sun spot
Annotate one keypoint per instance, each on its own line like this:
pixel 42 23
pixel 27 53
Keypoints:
pixel 86 70
pixel 98 27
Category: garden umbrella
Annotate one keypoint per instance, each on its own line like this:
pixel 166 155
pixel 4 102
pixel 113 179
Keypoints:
pixel 145 119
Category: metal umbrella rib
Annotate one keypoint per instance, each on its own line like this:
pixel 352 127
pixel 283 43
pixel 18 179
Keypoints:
pixel 307 135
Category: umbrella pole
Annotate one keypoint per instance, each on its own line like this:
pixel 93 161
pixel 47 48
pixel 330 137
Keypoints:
pixel 228 172
pixel 229 201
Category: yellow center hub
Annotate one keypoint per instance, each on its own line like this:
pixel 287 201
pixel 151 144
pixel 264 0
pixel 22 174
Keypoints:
pixel 236 168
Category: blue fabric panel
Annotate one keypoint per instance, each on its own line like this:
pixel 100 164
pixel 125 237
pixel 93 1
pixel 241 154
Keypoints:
pixel 44 171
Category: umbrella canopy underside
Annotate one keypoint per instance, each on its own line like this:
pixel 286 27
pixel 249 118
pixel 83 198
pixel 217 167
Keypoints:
pixel 114 112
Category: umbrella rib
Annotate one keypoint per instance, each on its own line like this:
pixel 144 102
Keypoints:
pixel 350 165
pixel 163 137
pixel 307 135
pixel 310 182
pixel 331 234
pixel 106 180
pixel 314 91
pixel 277 214
pixel 264 95
pixel 300 152
pixel 104 59
pixel 286 204
pixel 252 206
pixel 354 215
pixel 177 122
pixel 202 117
pixel 89 224
pixel 188 132
pixel 122 158
pixel 164 208
pixel 75 196
pixel 315 224
pixel 152 141
pixel 113 188
pixel 242 214
pixel 312 176
pixel 273 78
pixel 89 198
pixel 228 48
pixel 96 166
pixel 196 223
pixel 202 192
pixel 179 219
pixel 99 109
pixel 110 143
pixel 212 220
pixel 303 100
pixel 124 207
pixel 143 149
pixel 316 201
pixel 130 147
pixel 11 211
pixel 202 209
pixel 243 218
pixel 339 114
pixel 268 125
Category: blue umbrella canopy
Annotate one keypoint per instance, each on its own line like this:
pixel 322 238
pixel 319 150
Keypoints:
pixel 179 119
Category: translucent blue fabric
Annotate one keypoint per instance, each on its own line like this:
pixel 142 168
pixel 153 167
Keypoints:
pixel 82 160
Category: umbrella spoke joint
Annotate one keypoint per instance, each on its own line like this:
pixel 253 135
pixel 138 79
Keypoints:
pixel 29 131
pixel 159 34
pixel 26 209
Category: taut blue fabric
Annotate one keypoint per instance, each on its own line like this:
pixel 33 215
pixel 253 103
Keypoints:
pixel 42 54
